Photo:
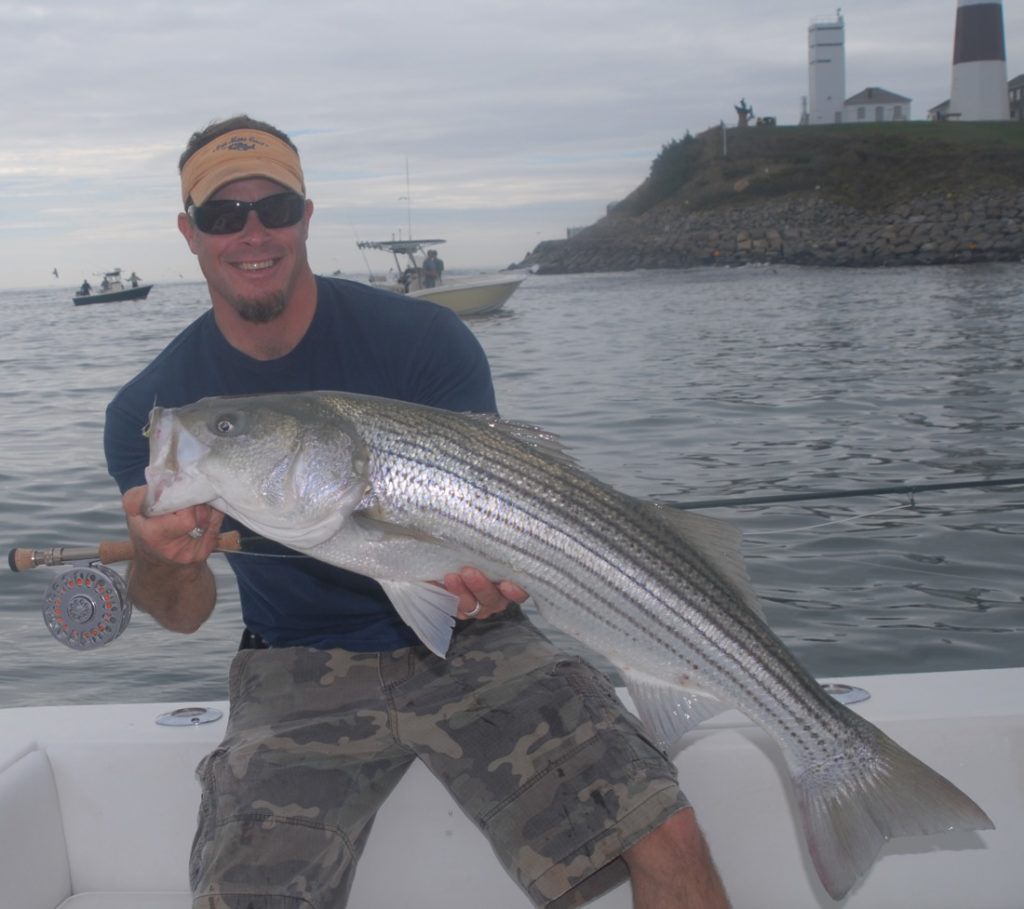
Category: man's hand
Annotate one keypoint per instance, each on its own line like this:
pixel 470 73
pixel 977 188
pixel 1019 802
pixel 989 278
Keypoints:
pixel 182 537
pixel 479 596
pixel 169 576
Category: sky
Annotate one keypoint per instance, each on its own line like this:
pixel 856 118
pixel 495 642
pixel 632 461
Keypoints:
pixel 494 124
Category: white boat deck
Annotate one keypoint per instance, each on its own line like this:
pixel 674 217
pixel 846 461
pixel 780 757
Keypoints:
pixel 97 807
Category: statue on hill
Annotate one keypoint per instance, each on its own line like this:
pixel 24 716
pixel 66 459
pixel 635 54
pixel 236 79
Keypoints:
pixel 743 112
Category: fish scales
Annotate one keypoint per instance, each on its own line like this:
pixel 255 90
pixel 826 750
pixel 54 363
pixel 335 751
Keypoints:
pixel 406 493
pixel 421 468
pixel 528 490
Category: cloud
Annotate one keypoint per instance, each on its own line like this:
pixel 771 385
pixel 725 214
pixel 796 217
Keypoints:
pixel 517 119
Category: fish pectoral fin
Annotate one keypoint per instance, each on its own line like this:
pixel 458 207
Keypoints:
pixel 719 542
pixel 367 522
pixel 669 710
pixel 427 609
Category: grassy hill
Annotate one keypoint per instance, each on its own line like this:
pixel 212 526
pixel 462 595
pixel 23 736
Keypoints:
pixel 857 195
pixel 867 166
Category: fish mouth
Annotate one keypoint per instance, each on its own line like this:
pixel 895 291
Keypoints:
pixel 158 481
pixel 170 475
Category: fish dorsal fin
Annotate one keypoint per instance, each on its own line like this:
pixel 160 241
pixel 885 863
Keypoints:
pixel 669 711
pixel 718 542
pixel 530 435
pixel 427 609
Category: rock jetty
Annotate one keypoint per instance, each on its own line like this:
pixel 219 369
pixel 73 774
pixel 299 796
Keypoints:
pixel 799 231
pixel 859 199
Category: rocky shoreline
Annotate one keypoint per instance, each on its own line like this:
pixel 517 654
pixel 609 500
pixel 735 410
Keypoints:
pixel 801 229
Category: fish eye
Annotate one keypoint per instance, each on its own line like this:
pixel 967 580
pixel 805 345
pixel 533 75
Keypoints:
pixel 224 425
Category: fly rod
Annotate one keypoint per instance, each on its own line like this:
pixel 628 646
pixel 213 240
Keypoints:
pixel 87 604
pixel 899 489
pixel 105 552
pixel 109 551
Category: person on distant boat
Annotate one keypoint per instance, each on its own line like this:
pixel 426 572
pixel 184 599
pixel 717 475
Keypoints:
pixel 85 289
pixel 407 278
pixel 432 269
pixel 134 279
pixel 105 284
pixel 332 696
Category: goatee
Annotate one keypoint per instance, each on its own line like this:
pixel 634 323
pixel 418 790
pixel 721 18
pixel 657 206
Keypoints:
pixel 261 311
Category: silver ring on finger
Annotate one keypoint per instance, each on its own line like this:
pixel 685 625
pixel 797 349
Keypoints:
pixel 196 533
pixel 473 612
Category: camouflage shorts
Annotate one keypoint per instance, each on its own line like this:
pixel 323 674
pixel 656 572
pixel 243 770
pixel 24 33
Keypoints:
pixel 306 722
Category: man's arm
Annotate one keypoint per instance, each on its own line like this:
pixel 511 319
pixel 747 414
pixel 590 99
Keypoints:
pixel 169 576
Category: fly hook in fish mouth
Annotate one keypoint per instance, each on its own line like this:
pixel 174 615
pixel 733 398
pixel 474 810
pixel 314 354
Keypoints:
pixel 152 422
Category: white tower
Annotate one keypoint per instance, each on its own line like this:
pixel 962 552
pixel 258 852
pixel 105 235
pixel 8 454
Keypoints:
pixel 827 59
pixel 979 63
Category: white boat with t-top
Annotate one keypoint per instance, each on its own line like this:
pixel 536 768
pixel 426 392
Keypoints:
pixel 468 295
pixel 98 807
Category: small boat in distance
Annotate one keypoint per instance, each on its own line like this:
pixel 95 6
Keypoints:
pixel 467 295
pixel 112 289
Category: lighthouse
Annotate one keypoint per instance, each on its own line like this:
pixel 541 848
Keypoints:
pixel 827 62
pixel 979 63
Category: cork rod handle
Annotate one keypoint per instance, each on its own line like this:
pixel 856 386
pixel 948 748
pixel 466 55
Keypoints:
pixel 106 551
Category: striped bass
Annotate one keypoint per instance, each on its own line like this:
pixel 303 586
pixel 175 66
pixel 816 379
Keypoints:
pixel 404 494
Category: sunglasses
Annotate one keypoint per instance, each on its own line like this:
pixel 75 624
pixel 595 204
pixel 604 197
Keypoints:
pixel 228 216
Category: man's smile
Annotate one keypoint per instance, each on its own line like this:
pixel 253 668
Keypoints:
pixel 256 266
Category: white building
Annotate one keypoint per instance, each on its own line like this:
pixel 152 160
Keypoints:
pixel 1015 91
pixel 876 105
pixel 979 63
pixel 827 60
pixel 1014 102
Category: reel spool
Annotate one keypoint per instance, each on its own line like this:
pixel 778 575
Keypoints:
pixel 87 606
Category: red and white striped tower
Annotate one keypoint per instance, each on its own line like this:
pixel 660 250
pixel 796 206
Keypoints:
pixel 979 63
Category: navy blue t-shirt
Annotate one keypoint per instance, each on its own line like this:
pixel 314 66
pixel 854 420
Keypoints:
pixel 361 340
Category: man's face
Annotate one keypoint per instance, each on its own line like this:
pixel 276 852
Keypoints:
pixel 256 270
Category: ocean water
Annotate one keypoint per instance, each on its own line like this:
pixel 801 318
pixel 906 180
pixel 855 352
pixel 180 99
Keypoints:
pixel 671 385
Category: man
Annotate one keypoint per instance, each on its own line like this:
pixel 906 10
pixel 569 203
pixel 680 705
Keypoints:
pixel 332 696
pixel 432 269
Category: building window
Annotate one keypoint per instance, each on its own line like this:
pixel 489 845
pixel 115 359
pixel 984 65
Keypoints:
pixel 897 112
pixel 861 113
pixel 879 113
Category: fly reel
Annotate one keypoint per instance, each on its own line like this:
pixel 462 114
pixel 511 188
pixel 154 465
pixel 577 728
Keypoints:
pixel 87 606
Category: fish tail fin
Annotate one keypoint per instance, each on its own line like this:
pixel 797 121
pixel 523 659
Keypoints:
pixel 852 805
